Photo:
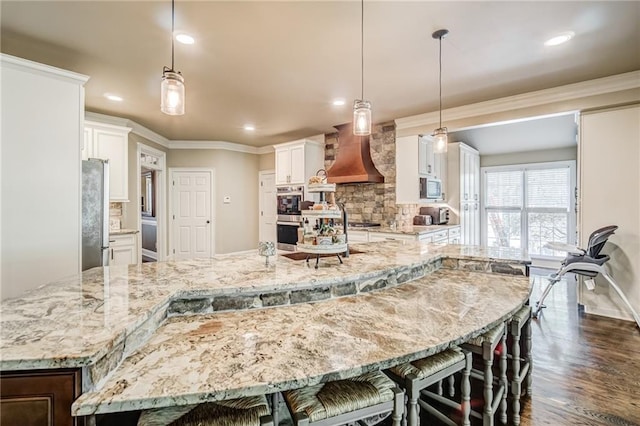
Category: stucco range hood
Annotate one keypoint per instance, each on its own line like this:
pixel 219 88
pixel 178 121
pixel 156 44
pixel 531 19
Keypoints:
pixel 353 159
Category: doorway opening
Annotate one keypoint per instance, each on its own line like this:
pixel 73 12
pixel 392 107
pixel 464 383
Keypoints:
pixel 152 205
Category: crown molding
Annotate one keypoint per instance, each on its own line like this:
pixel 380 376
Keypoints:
pixel 229 146
pixel 42 69
pixel 149 134
pixel 615 83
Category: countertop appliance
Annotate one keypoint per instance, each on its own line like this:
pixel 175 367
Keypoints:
pixel 290 200
pixel 422 220
pixel 430 188
pixel 439 215
pixel 95 213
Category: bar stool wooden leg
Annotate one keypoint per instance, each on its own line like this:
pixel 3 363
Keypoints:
pixel 503 378
pixel 529 358
pixel 398 409
pixel 516 386
pixel 413 393
pixel 466 391
pixel 487 418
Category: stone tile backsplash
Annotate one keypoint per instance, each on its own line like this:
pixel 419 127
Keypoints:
pixel 115 216
pixel 373 202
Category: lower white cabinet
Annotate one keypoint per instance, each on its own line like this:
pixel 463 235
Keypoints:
pixel 123 249
pixel 454 235
pixel 390 236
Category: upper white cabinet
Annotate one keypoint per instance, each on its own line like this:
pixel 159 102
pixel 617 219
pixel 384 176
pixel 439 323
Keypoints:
pixel 414 159
pixel 463 185
pixel 297 161
pixel 110 142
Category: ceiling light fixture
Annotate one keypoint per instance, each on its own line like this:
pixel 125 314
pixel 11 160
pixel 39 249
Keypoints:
pixel 361 108
pixel 338 102
pixel 249 127
pixel 172 86
pixel 114 98
pixel 559 39
pixel 440 134
pixel 185 39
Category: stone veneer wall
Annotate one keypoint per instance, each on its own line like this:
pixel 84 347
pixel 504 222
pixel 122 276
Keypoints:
pixel 373 202
pixel 115 216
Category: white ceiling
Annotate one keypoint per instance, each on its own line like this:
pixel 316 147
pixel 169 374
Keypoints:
pixel 530 135
pixel 279 64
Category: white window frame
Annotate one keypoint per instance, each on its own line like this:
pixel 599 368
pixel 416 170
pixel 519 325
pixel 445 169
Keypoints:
pixel 524 231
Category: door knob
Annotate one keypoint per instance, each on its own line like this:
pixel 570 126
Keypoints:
pixel 208 221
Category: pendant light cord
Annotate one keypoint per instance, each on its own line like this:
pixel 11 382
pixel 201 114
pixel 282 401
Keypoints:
pixel 173 19
pixel 440 80
pixel 362 49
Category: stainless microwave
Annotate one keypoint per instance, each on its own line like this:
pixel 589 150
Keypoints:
pixel 431 189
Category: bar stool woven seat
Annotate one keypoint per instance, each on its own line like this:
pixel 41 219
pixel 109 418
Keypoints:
pixel 248 411
pixel 417 376
pixel 344 401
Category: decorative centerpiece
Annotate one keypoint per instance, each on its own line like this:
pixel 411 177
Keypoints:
pixel 266 249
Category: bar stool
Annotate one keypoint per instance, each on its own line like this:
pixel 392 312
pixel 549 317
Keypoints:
pixel 248 411
pixel 417 376
pixel 521 366
pixel 344 401
pixel 485 345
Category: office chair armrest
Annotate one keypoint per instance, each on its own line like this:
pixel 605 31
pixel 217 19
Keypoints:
pixel 564 247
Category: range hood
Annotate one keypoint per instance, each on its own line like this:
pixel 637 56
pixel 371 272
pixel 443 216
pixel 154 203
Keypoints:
pixel 353 160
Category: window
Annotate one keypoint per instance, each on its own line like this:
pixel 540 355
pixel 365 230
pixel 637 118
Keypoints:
pixel 527 206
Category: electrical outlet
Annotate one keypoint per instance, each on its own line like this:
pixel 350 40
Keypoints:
pixel 226 199
pixel 590 283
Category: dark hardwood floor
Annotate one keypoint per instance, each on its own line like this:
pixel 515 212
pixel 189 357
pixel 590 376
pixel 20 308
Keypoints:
pixel 586 367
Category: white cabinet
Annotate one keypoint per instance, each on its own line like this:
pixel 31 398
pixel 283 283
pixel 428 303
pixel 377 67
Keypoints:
pixel 391 236
pixel 297 161
pixel 123 249
pixel 414 159
pixel 109 142
pixel 463 190
pixel 454 235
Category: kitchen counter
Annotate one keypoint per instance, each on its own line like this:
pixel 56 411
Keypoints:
pixel 191 359
pixel 96 320
pixel 123 231
pixel 409 230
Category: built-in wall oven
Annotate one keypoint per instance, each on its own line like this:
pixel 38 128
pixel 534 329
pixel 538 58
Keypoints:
pixel 290 200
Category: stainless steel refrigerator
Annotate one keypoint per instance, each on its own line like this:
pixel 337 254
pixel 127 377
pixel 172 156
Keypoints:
pixel 95 213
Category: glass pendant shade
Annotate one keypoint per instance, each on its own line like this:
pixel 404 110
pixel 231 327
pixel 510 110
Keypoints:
pixel 172 93
pixel 361 118
pixel 440 140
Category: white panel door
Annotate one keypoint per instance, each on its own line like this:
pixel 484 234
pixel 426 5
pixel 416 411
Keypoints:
pixel 191 214
pixel 268 209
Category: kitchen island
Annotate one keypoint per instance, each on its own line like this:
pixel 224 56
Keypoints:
pixel 111 321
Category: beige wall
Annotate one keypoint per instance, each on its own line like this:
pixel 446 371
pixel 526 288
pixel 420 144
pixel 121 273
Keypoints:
pixel 267 161
pixel 236 175
pixel 528 157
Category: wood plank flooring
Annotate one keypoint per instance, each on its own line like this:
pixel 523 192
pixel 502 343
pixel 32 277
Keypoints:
pixel 586 367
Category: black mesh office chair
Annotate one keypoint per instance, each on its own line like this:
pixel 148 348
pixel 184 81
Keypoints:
pixel 586 262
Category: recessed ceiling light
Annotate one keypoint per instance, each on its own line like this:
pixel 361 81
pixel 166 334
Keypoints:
pixel 114 98
pixel 185 39
pixel 339 102
pixel 249 127
pixel 559 39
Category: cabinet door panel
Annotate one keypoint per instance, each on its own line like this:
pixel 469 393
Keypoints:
pixel 113 146
pixel 422 156
pixel 39 398
pixel 297 165
pixel 283 166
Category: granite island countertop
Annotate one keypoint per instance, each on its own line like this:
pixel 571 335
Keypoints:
pixel 96 320
pixel 192 359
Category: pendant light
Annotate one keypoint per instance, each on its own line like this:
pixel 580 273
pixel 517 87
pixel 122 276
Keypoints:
pixel 440 134
pixel 361 108
pixel 172 96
